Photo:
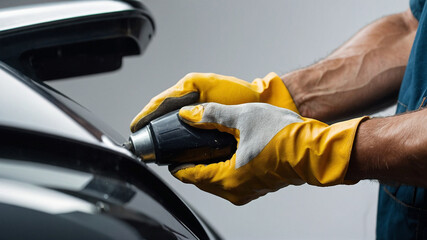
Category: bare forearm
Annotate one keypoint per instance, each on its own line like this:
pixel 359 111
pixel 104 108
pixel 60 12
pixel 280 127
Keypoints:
pixel 365 70
pixel 391 149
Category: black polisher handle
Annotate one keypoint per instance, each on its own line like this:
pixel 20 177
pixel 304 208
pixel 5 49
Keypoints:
pixel 176 142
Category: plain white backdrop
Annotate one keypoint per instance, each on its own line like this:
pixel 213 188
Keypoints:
pixel 246 39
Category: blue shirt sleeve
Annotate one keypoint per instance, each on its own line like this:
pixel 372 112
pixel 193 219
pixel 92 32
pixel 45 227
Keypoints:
pixel 417 7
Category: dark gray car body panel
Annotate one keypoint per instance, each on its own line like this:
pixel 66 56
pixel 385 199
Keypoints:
pixel 63 173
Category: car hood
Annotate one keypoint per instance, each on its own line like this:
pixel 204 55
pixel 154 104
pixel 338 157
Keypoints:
pixel 34 106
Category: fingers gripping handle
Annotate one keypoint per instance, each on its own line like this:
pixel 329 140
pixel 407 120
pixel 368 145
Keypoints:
pixel 168 140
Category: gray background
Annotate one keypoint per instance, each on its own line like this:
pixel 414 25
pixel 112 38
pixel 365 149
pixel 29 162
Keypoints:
pixel 246 39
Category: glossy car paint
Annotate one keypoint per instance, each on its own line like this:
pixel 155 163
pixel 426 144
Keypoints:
pixel 44 132
pixel 51 12
pixel 66 39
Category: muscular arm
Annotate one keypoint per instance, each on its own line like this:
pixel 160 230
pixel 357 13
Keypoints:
pixel 368 70
pixel 365 71
pixel 391 149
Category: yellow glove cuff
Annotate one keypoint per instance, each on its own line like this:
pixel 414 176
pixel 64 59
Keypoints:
pixel 319 154
pixel 273 91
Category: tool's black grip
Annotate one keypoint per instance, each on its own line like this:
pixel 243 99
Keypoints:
pixel 177 142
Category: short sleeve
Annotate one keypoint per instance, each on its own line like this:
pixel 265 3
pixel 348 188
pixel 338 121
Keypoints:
pixel 417 7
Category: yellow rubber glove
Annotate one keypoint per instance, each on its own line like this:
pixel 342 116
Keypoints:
pixel 276 147
pixel 209 87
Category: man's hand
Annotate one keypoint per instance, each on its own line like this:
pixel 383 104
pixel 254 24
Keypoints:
pixel 365 71
pixel 276 147
pixel 209 87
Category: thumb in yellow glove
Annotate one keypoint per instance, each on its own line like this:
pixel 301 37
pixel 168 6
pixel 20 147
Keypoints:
pixel 276 147
pixel 209 87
